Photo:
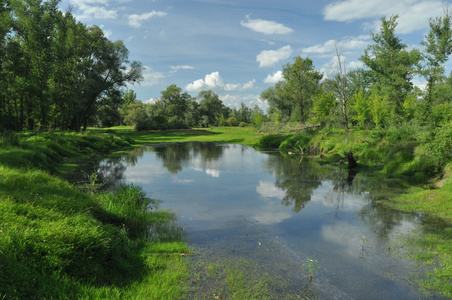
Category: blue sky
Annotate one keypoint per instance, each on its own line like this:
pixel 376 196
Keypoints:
pixel 238 47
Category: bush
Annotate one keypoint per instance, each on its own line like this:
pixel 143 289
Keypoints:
pixel 272 141
pixel 296 143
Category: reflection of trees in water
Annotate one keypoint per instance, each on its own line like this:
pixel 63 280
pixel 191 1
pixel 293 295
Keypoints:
pixel 298 180
pixel 381 219
pixel 111 171
pixel 175 156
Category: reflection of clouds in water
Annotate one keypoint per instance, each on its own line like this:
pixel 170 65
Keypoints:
pixel 349 236
pixel 271 212
pixel 212 168
pixel 268 189
pixel 329 197
pixel 344 234
pixel 183 181
pixel 144 173
pixel 213 173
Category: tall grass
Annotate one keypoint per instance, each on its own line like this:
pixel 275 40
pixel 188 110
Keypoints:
pixel 57 242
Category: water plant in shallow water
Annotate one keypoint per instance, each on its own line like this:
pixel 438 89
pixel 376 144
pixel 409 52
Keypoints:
pixel 310 266
pixel 363 242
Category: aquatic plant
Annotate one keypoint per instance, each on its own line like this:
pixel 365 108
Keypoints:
pixel 310 266
pixel 363 242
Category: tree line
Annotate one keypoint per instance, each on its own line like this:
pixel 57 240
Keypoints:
pixel 176 109
pixel 55 72
pixel 379 95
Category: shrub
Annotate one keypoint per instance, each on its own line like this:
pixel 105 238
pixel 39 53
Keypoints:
pixel 272 141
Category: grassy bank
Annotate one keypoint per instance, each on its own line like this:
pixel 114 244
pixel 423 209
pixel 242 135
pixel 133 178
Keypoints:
pixel 59 242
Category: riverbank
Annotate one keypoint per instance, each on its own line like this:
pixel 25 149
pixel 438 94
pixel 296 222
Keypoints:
pixel 60 241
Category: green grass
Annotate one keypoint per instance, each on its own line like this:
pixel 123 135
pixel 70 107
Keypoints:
pixel 58 242
pixel 238 135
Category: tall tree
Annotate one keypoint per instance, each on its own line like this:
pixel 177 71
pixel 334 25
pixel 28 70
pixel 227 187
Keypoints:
pixel 437 48
pixel 394 66
pixel 300 85
pixel 211 106
pixel 176 103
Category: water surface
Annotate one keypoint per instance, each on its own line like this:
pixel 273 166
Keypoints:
pixel 236 202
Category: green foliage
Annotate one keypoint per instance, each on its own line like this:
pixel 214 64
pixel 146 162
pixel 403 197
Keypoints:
pixel 296 143
pixel 324 103
pixel 393 79
pixel 301 84
pixel 59 71
pixel 361 108
pixel 272 141
pixel 310 266
pixel 380 109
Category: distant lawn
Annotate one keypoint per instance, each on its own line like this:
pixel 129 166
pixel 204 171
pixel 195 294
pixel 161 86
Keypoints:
pixel 235 135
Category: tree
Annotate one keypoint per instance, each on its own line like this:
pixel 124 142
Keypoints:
pixel 393 65
pixel 300 85
pixel 278 109
pixel 211 106
pixel 438 47
pixel 343 82
pixel 175 103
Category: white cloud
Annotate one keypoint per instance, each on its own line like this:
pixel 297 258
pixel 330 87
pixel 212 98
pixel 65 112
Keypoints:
pixel 269 58
pixel 93 9
pixel 214 81
pixel 275 78
pixel 136 20
pixel 413 14
pixel 347 44
pixel 265 27
pixel 211 81
pixel 239 87
pixel 150 77
pixel 184 67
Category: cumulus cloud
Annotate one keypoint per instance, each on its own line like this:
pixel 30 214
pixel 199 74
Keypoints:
pixel 136 20
pixel 275 78
pixel 269 58
pixel 413 14
pixel 214 81
pixel 265 26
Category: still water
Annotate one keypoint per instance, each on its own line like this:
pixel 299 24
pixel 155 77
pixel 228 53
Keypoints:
pixel 236 202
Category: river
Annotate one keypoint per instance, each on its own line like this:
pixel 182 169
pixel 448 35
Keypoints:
pixel 238 203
